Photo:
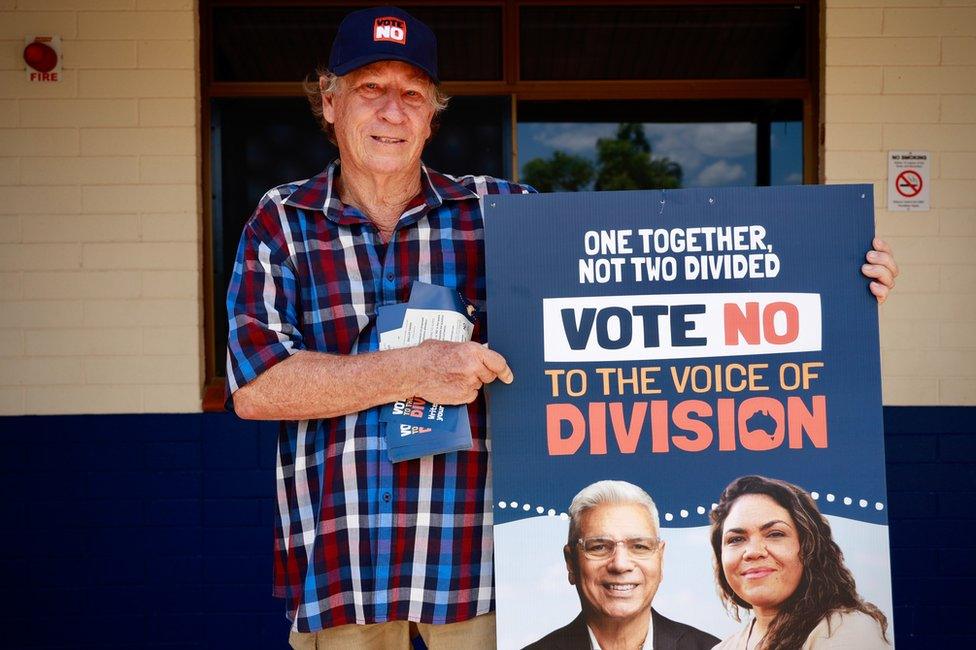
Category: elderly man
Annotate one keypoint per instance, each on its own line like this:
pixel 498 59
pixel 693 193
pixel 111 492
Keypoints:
pixel 361 541
pixel 362 545
pixel 613 557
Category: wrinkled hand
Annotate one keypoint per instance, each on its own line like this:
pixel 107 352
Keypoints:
pixel 881 268
pixel 452 373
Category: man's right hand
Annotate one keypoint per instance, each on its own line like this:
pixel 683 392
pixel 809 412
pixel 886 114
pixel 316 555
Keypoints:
pixel 452 373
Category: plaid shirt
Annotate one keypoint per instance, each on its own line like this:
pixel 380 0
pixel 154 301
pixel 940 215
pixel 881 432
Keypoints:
pixel 357 538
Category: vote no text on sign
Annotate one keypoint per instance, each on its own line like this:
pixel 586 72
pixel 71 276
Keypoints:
pixel 700 303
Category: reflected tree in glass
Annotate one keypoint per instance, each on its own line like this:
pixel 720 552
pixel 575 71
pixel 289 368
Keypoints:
pixel 624 162
pixel 562 172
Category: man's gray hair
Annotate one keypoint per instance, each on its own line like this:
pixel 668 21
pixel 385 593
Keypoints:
pixel 608 493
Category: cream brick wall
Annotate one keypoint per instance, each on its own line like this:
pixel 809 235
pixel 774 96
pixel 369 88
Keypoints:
pixel 100 272
pixel 901 74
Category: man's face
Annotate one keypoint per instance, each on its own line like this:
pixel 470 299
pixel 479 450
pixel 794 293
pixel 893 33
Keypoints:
pixel 621 586
pixel 382 118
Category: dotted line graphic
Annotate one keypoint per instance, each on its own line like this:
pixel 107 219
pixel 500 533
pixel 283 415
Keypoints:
pixel 683 513
pixel 847 501
pixel 527 507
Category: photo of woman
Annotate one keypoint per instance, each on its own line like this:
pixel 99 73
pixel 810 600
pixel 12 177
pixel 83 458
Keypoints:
pixel 775 555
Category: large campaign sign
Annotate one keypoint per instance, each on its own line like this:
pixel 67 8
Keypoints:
pixel 678 340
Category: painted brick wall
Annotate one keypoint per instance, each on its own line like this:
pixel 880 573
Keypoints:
pixel 901 74
pixel 100 299
pixel 100 213
pixel 931 472
pixel 138 531
pixel 148 531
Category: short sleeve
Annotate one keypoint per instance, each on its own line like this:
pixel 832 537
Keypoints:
pixel 262 302
pixel 508 187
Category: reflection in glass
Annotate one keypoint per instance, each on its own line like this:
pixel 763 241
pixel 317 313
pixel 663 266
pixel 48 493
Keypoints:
pixel 629 41
pixel 574 156
pixel 621 162
pixel 786 145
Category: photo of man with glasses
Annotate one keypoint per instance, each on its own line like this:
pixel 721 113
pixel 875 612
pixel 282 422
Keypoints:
pixel 613 558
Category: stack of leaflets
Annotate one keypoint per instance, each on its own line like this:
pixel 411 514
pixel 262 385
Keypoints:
pixel 416 427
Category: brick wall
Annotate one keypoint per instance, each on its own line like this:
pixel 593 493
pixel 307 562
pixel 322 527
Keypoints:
pixel 100 217
pixel 150 531
pixel 141 531
pixel 100 214
pixel 931 471
pixel 901 74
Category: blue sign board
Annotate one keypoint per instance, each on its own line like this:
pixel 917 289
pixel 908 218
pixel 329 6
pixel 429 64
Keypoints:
pixel 678 340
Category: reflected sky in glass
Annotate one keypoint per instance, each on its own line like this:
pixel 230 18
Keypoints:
pixel 711 154
pixel 786 164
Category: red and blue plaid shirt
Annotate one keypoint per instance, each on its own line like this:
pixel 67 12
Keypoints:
pixel 357 538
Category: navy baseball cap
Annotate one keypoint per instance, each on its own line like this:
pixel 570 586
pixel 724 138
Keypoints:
pixel 383 34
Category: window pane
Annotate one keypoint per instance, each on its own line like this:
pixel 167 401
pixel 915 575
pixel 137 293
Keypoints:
pixel 287 43
pixel 474 137
pixel 644 145
pixel 689 42
pixel 256 145
pixel 260 143
pixel 786 139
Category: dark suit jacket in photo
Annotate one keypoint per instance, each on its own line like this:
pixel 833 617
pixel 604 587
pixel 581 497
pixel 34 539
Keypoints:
pixel 668 635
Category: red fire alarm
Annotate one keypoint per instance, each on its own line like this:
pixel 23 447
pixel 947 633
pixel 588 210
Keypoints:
pixel 42 54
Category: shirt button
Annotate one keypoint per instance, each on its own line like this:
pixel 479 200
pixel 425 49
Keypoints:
pixel 387 496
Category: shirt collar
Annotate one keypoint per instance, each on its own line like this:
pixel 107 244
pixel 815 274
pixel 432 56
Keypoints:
pixel 648 640
pixel 318 193
pixel 441 187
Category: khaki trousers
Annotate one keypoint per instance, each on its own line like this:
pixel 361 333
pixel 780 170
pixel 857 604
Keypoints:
pixel 475 634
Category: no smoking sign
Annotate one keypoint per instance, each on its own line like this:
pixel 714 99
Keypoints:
pixel 908 181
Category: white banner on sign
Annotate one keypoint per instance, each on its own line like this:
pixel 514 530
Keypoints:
pixel 908 181
pixel 680 326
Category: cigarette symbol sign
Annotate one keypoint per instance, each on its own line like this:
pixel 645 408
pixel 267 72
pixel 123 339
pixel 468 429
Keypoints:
pixel 908 183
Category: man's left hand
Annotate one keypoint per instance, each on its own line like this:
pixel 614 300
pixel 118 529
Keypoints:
pixel 881 268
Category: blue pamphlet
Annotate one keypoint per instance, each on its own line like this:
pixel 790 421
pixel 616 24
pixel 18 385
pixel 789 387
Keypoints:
pixel 416 427
pixel 406 441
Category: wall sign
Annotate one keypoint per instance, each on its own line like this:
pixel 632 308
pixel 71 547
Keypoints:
pixel 908 181
pixel 42 54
